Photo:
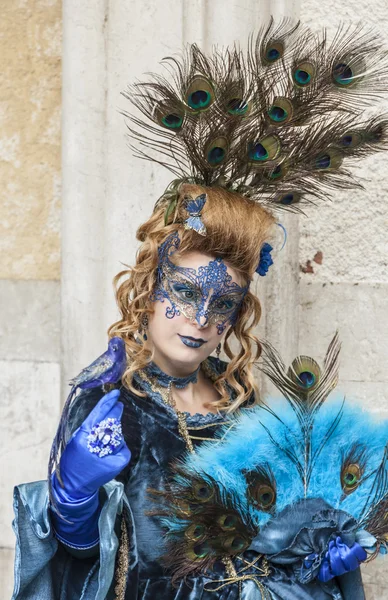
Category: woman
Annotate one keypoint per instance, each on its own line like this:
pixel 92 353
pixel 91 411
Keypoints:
pixel 186 295
pixel 211 290
pixel 206 280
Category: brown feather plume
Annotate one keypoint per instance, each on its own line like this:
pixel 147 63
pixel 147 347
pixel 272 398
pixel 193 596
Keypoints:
pixel 210 523
pixel 278 124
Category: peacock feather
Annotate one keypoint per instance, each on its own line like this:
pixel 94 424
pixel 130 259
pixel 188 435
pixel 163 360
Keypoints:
pixel 279 123
pixel 306 446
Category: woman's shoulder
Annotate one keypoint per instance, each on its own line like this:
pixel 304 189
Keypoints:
pixel 83 404
pixel 86 400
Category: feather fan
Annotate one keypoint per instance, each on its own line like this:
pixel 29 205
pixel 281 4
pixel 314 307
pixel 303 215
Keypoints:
pixel 307 446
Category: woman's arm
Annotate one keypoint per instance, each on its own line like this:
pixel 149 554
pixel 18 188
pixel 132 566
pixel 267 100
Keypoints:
pixel 94 455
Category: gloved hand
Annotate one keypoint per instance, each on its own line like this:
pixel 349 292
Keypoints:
pixel 84 472
pixel 340 559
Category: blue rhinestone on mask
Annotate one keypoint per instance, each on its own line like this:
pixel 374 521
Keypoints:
pixel 208 292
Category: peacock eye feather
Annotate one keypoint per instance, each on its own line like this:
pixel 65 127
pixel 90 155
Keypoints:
pixel 353 469
pixel 264 150
pixel 278 172
pixel 348 71
pixel 343 74
pixel 363 138
pixel 195 532
pixel 272 52
pixel 281 111
pixel 265 497
pixel 305 373
pixel 328 160
pixel 172 121
pixel 216 151
pixel 202 491
pixel 350 478
pixel 200 550
pixel 261 488
pixel 227 522
pixel 170 117
pixel 351 139
pixel 303 74
pixel 200 93
pixel 238 107
pixel 288 198
pixel 235 544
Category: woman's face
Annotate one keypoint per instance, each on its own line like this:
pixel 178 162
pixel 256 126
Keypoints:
pixel 194 307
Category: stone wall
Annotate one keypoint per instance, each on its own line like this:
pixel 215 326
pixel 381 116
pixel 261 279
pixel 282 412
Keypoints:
pixel 343 256
pixel 30 192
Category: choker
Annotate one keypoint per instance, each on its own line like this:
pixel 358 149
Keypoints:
pixel 153 371
pixel 163 384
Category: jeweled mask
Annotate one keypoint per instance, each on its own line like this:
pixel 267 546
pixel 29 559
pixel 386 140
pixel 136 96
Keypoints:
pixel 207 292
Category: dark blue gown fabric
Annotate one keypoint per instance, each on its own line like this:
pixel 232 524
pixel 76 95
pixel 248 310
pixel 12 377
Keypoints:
pixel 45 569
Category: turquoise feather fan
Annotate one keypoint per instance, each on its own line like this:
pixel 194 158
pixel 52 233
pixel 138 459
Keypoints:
pixel 308 444
pixel 279 123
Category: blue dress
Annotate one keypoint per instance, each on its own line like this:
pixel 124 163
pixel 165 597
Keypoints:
pixel 45 568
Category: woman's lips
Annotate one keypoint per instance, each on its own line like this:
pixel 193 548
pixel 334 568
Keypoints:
pixel 192 342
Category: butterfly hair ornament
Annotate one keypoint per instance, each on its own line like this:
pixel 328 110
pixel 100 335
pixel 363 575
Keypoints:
pixel 194 208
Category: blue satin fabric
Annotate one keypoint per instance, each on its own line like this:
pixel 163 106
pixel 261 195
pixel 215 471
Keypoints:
pixel 79 525
pixel 45 569
pixel 340 559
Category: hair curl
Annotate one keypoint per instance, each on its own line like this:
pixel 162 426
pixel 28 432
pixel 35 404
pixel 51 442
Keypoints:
pixel 236 230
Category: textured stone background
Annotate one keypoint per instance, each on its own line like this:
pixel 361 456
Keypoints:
pixel 342 251
pixel 30 105
pixel 347 288
pixel 30 192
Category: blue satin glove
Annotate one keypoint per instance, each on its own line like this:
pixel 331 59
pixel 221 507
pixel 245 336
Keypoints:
pixel 340 559
pixel 83 473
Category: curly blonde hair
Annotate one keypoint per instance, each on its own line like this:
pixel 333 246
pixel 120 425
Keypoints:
pixel 236 229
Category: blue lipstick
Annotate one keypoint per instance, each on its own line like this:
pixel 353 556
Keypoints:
pixel 192 342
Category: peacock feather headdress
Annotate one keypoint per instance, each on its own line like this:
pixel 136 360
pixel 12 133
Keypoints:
pixel 281 123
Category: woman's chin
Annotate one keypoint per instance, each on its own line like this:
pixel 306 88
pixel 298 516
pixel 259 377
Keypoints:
pixel 186 355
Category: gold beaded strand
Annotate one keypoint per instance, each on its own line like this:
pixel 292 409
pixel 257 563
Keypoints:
pixel 182 423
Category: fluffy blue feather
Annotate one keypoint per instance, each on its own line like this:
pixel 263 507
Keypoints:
pixel 249 444
pixel 308 462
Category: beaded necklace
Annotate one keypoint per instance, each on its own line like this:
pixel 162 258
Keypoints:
pixel 163 384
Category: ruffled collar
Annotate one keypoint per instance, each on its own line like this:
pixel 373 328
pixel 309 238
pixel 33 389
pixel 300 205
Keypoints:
pixel 152 370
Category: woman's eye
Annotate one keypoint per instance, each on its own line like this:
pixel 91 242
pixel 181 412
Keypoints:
pixel 184 292
pixel 225 304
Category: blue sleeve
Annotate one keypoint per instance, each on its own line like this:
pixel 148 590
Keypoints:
pixel 44 570
pixel 351 585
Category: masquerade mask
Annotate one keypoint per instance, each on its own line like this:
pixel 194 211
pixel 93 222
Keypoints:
pixel 207 292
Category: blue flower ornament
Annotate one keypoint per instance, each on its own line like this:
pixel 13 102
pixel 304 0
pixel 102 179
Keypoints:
pixel 265 259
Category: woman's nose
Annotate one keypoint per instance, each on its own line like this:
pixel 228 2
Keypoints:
pixel 202 321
